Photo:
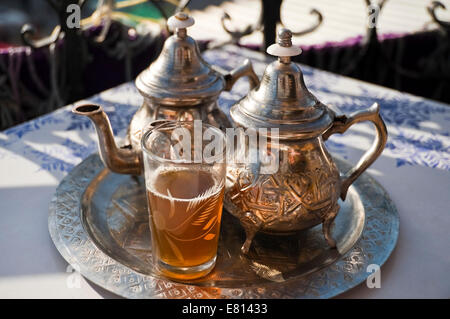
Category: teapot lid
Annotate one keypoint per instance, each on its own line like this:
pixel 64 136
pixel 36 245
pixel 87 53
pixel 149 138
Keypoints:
pixel 180 76
pixel 282 100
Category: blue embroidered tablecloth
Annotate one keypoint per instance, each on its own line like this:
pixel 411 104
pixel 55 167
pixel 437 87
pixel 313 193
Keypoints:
pixel 414 168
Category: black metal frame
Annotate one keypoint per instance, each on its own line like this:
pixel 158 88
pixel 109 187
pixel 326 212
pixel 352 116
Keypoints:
pixel 75 46
pixel 372 57
pixel 74 56
pixel 365 63
pixel 269 17
pixel 62 75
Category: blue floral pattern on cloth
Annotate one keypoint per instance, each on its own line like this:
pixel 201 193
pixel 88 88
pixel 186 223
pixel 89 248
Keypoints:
pixel 418 128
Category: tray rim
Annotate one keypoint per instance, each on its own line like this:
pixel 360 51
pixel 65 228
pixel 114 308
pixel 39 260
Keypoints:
pixel 135 282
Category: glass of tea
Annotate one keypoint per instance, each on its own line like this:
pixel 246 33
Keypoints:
pixel 185 171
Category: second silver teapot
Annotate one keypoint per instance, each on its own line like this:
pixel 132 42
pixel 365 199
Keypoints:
pixel 304 190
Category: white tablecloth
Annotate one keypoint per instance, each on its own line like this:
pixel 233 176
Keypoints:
pixel 414 169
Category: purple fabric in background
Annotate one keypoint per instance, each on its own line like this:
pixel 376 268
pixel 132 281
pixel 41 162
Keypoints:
pixel 27 91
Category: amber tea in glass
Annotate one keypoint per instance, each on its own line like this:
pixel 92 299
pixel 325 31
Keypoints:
pixel 185 201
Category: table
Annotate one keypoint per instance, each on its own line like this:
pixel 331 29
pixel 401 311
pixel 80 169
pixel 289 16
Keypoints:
pixel 414 169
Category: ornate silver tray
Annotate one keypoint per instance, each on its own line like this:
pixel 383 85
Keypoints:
pixel 98 222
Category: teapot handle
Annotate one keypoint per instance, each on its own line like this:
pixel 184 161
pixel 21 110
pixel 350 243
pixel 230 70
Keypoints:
pixel 342 123
pixel 246 69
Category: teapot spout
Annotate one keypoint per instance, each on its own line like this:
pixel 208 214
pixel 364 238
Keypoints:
pixel 118 160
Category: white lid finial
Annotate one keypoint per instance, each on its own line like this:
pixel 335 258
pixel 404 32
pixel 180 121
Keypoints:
pixel 284 46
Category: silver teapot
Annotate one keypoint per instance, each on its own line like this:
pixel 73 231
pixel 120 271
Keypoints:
pixel 178 85
pixel 305 189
